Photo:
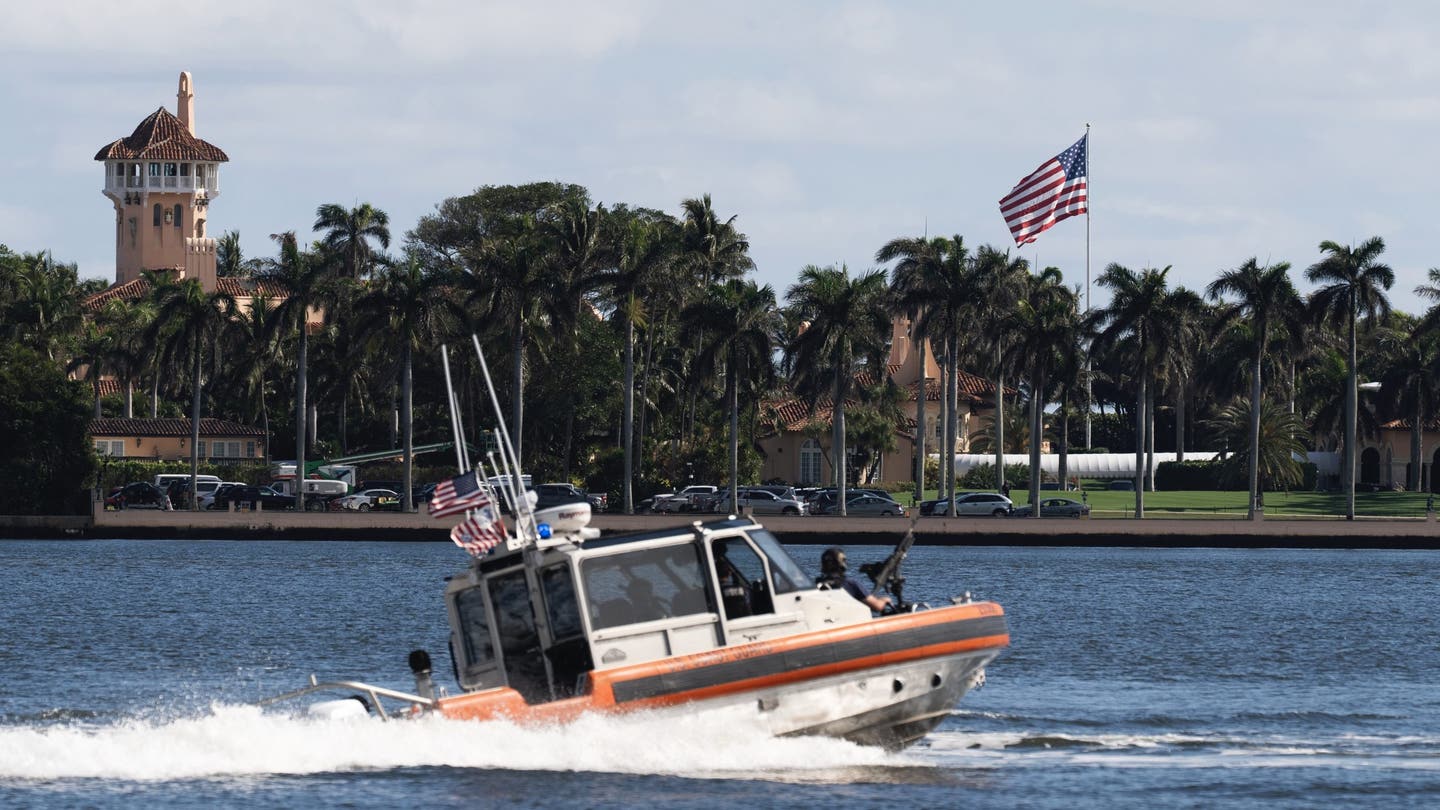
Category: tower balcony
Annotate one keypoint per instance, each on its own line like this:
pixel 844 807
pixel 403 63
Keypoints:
pixel 122 177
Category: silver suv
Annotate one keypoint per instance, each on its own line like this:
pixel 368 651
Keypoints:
pixel 758 501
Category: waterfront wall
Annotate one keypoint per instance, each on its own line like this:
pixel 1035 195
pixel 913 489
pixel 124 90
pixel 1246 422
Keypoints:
pixel 1212 533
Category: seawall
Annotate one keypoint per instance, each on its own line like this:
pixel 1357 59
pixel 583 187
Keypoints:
pixel 1120 532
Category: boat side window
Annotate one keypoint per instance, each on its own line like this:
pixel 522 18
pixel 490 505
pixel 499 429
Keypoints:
pixel 519 638
pixel 644 585
pixel 744 587
pixel 560 602
pixel 787 573
pixel 474 628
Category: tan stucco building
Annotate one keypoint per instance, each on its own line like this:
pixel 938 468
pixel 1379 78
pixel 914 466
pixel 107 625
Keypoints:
pixel 161 180
pixel 800 459
pixel 1385 459
pixel 169 439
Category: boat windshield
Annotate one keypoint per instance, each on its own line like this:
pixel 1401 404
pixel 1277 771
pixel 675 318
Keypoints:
pixel 644 585
pixel 788 574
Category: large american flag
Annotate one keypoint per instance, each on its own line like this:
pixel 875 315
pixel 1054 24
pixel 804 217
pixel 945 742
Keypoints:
pixel 457 495
pixel 479 532
pixel 1053 192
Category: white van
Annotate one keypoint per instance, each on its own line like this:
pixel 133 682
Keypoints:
pixel 203 483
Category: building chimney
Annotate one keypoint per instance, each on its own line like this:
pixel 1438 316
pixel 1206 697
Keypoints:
pixel 185 103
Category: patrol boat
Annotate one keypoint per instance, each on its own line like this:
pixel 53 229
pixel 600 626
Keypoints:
pixel 559 621
pixel 577 623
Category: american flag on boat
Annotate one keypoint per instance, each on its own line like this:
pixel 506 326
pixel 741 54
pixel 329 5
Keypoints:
pixel 457 495
pixel 479 532
pixel 1055 191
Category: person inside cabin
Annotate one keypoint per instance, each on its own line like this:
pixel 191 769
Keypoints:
pixel 734 588
pixel 647 606
pixel 832 575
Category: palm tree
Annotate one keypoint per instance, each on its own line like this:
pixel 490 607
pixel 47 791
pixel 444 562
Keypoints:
pixel 1408 359
pixel 46 306
pixel 229 259
pixel 713 249
pixel 1044 322
pixel 1273 450
pixel 1000 280
pixel 348 234
pixel 1265 297
pixel 188 319
pixel 408 306
pixel 914 283
pixel 93 351
pixel 847 320
pixel 257 338
pixel 645 255
pixel 1355 283
pixel 308 285
pixel 737 320
pixel 1136 313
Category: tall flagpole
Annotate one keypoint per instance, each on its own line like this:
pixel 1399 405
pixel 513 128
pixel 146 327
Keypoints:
pixel 1089 402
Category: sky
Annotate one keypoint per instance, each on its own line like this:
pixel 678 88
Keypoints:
pixel 1220 131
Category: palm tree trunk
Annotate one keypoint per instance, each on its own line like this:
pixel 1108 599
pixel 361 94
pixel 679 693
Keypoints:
pixel 407 422
pixel 1036 410
pixel 1412 480
pixel 952 388
pixel 1351 413
pixel 1062 467
pixel 302 359
pixel 627 419
pixel 1180 420
pixel 129 399
pixel 344 403
pixel 95 385
pixel 1150 440
pixel 1255 389
pixel 946 451
pixel 920 393
pixel 838 413
pixel 195 430
pixel 517 386
pixel 999 423
pixel 732 401
pixel 644 403
pixel 155 395
pixel 1140 441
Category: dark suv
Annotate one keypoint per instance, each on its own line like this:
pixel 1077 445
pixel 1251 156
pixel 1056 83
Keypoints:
pixel 548 495
pixel 139 495
pixel 245 497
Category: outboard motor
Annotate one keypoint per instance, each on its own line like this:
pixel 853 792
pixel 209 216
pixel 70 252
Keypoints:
pixel 420 667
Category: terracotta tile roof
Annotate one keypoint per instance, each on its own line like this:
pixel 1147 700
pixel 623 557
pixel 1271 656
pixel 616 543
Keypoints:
pixel 241 288
pixel 973 389
pixel 129 291
pixel 161 136
pixel 120 426
pixel 1432 423
pixel 110 385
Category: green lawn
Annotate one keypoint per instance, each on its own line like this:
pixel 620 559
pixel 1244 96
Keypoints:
pixel 1206 504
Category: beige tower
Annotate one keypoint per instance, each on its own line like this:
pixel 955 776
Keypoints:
pixel 161 180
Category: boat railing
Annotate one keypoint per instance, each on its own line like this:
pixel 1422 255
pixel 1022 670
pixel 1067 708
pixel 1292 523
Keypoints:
pixel 370 695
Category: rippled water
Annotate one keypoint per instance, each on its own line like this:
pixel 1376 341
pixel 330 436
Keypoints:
pixel 1137 678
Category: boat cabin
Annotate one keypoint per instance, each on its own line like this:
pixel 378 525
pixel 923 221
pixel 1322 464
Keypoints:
pixel 540 619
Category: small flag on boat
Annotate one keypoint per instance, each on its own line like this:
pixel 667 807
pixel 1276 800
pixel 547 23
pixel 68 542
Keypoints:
pixel 479 532
pixel 457 495
pixel 1055 191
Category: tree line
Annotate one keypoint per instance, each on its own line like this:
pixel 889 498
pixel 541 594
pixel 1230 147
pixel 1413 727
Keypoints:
pixel 633 350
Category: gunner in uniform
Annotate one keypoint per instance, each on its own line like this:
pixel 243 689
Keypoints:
pixel 832 575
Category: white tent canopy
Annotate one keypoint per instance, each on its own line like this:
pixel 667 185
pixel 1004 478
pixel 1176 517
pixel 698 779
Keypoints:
pixel 1114 465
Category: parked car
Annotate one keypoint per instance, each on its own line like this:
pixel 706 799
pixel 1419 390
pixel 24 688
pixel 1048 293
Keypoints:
pixel 1124 486
pixel 646 506
pixel 548 495
pixel 368 500
pixel 1054 507
pixel 688 499
pixel 246 496
pixel 865 503
pixel 759 501
pixel 207 495
pixel 975 503
pixel 137 495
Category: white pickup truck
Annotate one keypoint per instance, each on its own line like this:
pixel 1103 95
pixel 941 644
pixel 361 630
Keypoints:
pixel 688 499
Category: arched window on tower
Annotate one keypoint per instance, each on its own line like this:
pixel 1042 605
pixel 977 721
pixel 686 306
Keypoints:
pixel 177 215
pixel 157 215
